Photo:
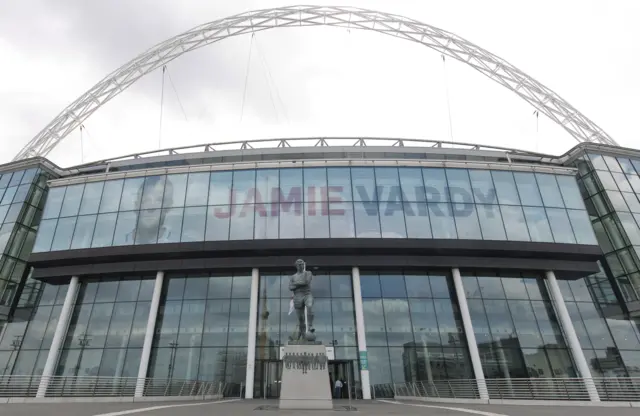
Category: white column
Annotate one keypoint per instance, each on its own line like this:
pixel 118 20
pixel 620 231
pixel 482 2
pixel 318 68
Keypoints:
pixel 59 336
pixel 470 335
pixel 148 335
pixel 360 333
pixel 251 337
pixel 572 337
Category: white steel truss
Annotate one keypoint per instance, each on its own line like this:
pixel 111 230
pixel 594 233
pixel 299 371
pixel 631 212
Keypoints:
pixel 542 98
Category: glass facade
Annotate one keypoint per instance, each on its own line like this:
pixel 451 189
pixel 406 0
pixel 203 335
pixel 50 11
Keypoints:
pixel 201 330
pixel 515 326
pixel 22 196
pixel 334 202
pixel 413 327
pixel 412 322
pixel 611 188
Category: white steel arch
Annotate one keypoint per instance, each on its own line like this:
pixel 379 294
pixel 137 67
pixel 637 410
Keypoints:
pixel 449 44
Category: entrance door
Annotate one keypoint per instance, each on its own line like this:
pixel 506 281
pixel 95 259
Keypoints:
pixel 342 370
pixel 271 379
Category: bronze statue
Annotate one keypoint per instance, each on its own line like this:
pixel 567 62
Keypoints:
pixel 300 285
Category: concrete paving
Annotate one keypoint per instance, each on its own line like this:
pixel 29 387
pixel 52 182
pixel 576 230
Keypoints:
pixel 249 407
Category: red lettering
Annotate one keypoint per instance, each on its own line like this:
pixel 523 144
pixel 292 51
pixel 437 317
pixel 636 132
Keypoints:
pixel 311 201
pixel 253 202
pixel 219 213
pixel 293 199
pixel 334 199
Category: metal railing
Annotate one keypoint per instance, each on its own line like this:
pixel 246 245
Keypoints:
pixel 89 386
pixel 609 389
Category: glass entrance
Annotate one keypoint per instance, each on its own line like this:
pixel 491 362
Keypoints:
pixel 270 377
pixel 343 370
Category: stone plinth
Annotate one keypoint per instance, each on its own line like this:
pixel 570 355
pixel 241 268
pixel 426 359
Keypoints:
pixel 305 378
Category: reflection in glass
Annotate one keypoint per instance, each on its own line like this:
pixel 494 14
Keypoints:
pixel 54 202
pixel 339 180
pixel 466 219
pixel 175 191
pixel 442 223
pixel 549 190
pixel 528 188
pixel 515 223
pixel 125 228
pixel 83 232
pixel 148 225
pixel 170 225
pixel 193 225
pixel 538 224
pixel 64 231
pixel 316 222
pixel 392 219
pixel 491 222
pixel 111 196
pixel 506 188
pixel 364 184
pixel 341 220
pixel 560 225
pixel 91 198
pixel 197 189
pixel 72 198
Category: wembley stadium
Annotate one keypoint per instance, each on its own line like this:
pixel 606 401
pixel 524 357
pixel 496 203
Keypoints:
pixel 441 269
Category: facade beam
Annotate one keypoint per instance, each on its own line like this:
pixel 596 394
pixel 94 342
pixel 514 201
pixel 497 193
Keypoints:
pixel 572 338
pixel 251 337
pixel 469 334
pixel 148 336
pixel 59 336
pixel 361 335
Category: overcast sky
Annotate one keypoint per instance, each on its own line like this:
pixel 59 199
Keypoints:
pixel 314 81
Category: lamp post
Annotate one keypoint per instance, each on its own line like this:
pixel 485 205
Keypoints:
pixel 15 345
pixel 173 345
pixel 83 340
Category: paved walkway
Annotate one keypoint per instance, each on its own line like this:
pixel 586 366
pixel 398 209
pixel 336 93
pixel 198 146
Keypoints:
pixel 245 408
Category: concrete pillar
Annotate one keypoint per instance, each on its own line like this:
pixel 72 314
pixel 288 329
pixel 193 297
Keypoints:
pixel 572 337
pixel 470 335
pixel 361 335
pixel 251 337
pixel 59 336
pixel 148 336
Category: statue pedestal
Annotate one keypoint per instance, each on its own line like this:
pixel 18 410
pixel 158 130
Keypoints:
pixel 305 377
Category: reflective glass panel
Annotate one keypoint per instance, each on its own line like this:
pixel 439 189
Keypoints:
pixel 506 188
pixel 197 189
pixel 412 184
pixel 560 225
pixel 459 186
pixel 91 198
pixel 111 196
pixel 515 223
pixel 528 188
pixel 549 190
pixel 170 227
pixel 364 184
pixel 103 233
pixel 83 232
pixel 442 223
pixel 193 224
pixel 54 202
pixel 175 191
pixel 491 222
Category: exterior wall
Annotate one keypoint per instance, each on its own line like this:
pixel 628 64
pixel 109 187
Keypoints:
pixel 610 186
pixel 412 322
pixel 334 202
pixel 22 196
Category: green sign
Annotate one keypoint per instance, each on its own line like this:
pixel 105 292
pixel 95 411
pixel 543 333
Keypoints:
pixel 364 362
